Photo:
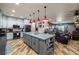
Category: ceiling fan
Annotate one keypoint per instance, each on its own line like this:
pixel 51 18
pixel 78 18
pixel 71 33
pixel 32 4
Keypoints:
pixel 76 13
pixel 72 13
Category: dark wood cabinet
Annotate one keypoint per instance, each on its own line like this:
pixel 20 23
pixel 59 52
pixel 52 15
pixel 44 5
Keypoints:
pixel 27 28
pixel 75 35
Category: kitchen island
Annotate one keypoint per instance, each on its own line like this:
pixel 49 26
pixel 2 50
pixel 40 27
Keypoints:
pixel 41 43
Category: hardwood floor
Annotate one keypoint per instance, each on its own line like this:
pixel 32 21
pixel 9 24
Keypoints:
pixel 20 48
pixel 17 47
pixel 72 48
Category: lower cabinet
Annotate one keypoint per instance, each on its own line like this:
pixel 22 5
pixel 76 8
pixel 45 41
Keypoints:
pixel 21 34
pixel 3 43
pixel 37 45
pixel 9 35
pixel 33 43
pixel 42 47
pixel 46 46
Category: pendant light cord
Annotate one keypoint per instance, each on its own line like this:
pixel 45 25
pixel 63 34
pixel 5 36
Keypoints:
pixel 45 10
pixel 38 14
pixel 33 15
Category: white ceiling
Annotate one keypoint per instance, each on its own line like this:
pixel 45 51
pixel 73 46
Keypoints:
pixel 54 10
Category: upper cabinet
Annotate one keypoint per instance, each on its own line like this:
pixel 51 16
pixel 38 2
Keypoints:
pixel 27 22
pixel 0 20
pixel 4 22
pixel 8 22
pixel 20 22
pixel 11 22
pixel 14 21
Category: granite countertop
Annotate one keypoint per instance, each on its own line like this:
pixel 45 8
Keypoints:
pixel 42 36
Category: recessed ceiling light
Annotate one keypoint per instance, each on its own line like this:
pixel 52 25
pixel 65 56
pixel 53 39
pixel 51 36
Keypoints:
pixel 13 11
pixel 59 20
pixel 17 3
pixel 12 15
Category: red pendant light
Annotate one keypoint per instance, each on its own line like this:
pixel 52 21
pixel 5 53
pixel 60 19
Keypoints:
pixel 45 18
pixel 33 21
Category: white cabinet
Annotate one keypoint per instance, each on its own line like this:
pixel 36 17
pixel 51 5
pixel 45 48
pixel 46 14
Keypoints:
pixel 11 22
pixel 21 34
pixel 8 22
pixel 10 35
pixel 27 22
pixel 0 20
pixel 33 27
pixel 20 23
pixel 4 22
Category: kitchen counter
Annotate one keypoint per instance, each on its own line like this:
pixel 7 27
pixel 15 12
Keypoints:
pixel 41 36
pixel 40 42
